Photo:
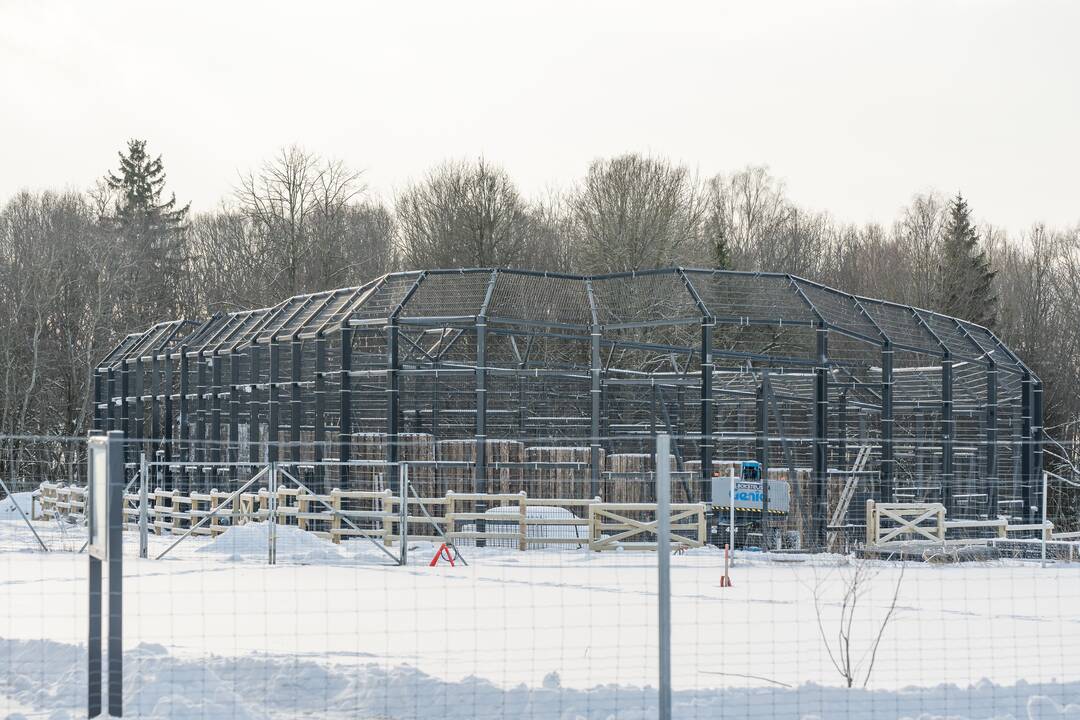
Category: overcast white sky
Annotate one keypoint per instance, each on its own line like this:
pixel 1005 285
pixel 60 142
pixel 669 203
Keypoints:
pixel 857 105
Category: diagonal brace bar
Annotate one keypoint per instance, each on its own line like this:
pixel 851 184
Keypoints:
pixel 363 533
pixel 212 513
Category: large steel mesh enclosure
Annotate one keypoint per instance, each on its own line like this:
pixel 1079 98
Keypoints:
pixel 488 378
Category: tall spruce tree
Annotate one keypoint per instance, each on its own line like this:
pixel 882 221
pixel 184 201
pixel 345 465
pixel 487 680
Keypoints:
pixel 151 232
pixel 966 279
pixel 721 249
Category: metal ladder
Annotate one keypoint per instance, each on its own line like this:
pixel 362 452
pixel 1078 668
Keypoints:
pixel 847 494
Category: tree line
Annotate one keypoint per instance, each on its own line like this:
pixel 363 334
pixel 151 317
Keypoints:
pixel 79 269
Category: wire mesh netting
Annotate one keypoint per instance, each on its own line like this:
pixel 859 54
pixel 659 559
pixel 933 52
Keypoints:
pixel 461 353
pixel 879 475
pixel 420 588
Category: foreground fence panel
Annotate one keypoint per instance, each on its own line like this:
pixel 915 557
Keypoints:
pixel 270 594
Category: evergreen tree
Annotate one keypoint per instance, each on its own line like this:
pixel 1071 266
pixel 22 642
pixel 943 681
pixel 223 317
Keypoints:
pixel 966 279
pixel 151 232
pixel 721 250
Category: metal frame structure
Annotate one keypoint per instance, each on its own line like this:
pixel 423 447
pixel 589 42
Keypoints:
pixel 730 364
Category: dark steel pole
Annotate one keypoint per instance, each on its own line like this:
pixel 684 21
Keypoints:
pixel 155 400
pixel 480 468
pixel 320 410
pixel 990 470
pixel 273 402
pixel 393 409
pixel 707 410
pixel 234 406
pixel 125 415
pixel 201 382
pixel 1026 456
pixel 111 413
pixel 93 642
pixel 167 411
pixel 253 403
pixel 885 493
pixel 139 430
pixel 185 406
pixel 215 410
pixel 115 648
pixel 948 424
pixel 345 402
pixel 297 405
pixel 762 400
pixel 99 389
pixel 1037 477
pixel 821 437
pixel 595 393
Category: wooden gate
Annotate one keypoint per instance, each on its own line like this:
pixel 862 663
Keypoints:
pixel 627 525
pixel 894 522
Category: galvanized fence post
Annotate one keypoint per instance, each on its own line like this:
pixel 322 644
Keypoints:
pixel 403 513
pixel 272 527
pixel 144 510
pixel 105 515
pixel 663 557
pixel 1043 532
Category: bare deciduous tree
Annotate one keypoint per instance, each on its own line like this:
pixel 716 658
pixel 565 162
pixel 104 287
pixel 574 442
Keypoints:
pixel 919 232
pixel 299 224
pixel 464 215
pixel 59 283
pixel 225 245
pixel 751 225
pixel 746 213
pixel 633 212
pixel 852 639
pixel 297 205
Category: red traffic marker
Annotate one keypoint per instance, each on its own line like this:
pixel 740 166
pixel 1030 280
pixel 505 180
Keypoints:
pixel 442 552
pixel 725 579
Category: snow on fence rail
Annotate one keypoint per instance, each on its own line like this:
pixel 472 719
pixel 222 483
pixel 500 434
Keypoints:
pixel 68 500
pixel 497 519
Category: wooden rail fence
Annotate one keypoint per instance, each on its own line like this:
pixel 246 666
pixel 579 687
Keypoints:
pixel 497 519
pixel 890 523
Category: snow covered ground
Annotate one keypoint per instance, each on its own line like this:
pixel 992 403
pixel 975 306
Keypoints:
pixel 336 631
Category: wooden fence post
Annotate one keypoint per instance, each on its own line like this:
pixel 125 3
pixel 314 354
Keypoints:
pixel 871 523
pixel 450 515
pixel 214 530
pixel 389 505
pixel 301 509
pixel 335 521
pixel 702 530
pixel 522 525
